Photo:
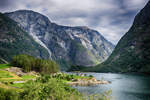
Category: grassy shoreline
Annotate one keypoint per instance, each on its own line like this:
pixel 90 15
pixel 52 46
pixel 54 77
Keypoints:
pixel 50 86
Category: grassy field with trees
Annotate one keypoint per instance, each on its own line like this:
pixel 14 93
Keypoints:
pixel 50 84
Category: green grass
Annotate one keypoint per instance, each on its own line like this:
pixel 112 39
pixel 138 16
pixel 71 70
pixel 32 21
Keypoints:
pixel 69 78
pixel 24 78
pixel 81 77
pixel 3 66
pixel 5 74
pixel 18 85
pixel 10 80
pixel 28 77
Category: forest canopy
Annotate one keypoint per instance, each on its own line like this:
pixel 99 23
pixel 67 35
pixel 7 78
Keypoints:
pixel 30 63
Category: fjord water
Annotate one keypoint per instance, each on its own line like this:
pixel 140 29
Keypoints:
pixel 124 86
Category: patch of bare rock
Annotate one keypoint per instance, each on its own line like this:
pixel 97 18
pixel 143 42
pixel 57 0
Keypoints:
pixel 19 71
pixel 87 82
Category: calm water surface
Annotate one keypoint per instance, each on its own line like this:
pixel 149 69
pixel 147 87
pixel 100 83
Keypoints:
pixel 124 86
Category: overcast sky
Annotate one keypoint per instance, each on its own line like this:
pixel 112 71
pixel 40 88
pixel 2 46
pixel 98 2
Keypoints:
pixel 112 18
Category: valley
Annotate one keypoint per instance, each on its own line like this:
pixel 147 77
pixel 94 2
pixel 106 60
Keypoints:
pixel 45 60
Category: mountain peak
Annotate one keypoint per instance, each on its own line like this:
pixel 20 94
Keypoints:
pixel 28 13
pixel 24 11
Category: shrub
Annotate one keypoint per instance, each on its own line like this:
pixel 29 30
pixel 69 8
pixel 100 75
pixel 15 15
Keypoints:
pixel 91 76
pixel 8 94
pixel 49 89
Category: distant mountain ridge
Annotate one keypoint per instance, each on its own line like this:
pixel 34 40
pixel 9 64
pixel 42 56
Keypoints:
pixel 132 53
pixel 14 40
pixel 66 45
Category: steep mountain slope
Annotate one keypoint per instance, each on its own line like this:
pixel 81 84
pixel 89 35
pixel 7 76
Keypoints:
pixel 13 40
pixel 74 45
pixel 132 53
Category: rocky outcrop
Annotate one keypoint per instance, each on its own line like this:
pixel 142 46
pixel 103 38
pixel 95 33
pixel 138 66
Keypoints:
pixel 87 82
pixel 66 45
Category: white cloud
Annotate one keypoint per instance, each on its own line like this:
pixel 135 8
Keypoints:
pixel 112 34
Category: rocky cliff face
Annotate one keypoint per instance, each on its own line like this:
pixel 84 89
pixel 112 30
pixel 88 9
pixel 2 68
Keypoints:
pixel 14 40
pixel 76 45
pixel 132 53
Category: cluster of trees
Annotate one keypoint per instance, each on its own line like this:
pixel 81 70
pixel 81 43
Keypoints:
pixel 29 63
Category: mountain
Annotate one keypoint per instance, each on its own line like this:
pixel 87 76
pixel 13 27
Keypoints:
pixel 14 40
pixel 74 45
pixel 132 53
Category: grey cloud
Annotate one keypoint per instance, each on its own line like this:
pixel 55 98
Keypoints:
pixel 112 18
pixel 4 3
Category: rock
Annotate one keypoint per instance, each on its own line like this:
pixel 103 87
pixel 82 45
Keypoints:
pixel 94 79
pixel 82 75
pixel 19 82
pixel 87 82
pixel 19 72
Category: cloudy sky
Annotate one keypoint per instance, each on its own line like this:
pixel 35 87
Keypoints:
pixel 112 18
